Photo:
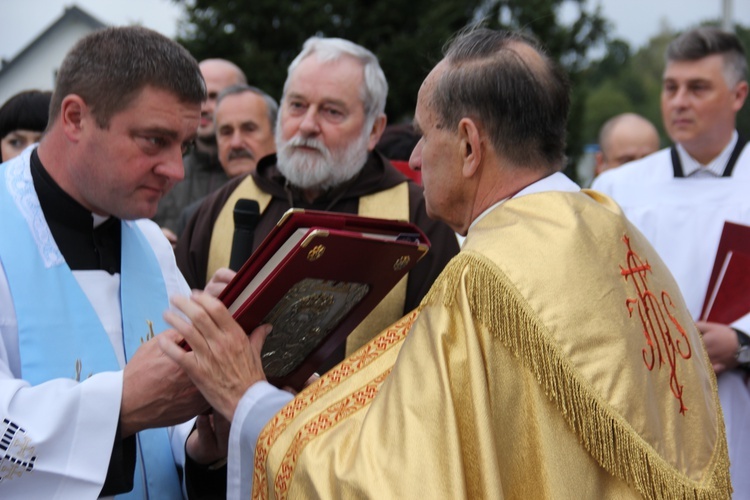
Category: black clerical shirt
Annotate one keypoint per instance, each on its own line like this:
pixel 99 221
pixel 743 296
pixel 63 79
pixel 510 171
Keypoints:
pixel 83 246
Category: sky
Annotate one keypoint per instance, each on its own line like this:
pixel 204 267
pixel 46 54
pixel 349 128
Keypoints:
pixel 635 21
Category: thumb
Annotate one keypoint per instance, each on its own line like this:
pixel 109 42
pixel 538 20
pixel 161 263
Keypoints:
pixel 171 335
pixel 258 336
pixel 168 341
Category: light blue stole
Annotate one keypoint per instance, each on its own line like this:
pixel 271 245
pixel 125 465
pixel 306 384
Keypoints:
pixel 59 332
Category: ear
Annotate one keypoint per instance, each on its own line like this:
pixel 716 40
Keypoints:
pixel 377 130
pixel 599 159
pixel 470 144
pixel 740 94
pixel 73 114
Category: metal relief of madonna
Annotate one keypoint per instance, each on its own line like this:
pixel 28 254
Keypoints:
pixel 309 311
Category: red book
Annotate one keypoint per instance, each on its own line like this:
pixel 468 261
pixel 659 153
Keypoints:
pixel 315 277
pixel 734 237
pixel 730 299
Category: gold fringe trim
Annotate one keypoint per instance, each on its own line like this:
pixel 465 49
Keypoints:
pixel 497 304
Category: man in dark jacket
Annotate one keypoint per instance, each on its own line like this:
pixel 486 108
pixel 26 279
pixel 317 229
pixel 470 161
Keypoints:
pixel 331 118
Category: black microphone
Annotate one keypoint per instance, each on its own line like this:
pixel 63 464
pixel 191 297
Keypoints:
pixel 246 216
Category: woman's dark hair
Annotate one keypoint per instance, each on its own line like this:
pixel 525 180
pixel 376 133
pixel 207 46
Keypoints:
pixel 28 110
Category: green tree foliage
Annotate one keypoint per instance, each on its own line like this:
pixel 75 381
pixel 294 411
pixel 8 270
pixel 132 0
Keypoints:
pixel 263 36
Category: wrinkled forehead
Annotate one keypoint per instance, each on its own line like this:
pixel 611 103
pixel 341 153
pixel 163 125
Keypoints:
pixel 340 78
pixel 430 82
pixel 244 103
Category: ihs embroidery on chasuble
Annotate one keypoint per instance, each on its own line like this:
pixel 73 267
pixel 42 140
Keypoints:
pixel 16 453
pixel 665 336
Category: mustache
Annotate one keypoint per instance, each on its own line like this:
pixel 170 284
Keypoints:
pixel 308 142
pixel 240 153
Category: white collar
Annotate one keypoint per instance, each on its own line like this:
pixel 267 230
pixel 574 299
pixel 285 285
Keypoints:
pixel 555 182
pixel 716 166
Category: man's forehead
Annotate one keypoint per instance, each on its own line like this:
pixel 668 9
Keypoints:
pixel 427 87
pixel 705 68
pixel 159 97
pixel 431 80
pixel 329 79
pixel 243 103
pixel 435 74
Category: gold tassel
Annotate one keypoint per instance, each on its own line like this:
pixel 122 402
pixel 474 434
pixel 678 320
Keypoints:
pixel 498 306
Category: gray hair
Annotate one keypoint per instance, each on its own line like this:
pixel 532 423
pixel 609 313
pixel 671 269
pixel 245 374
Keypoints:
pixel 271 105
pixel 374 90
pixel 110 67
pixel 706 41
pixel 520 99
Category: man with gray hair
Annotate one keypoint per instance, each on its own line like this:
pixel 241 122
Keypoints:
pixel 244 120
pixel 680 198
pixel 331 117
pixel 524 373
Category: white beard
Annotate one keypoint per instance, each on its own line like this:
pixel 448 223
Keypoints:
pixel 322 168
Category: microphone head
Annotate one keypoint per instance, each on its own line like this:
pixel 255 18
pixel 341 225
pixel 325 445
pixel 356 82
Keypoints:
pixel 246 213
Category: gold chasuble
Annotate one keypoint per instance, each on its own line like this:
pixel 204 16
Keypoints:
pixel 553 358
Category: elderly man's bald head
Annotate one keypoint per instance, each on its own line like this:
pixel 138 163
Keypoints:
pixel 625 138
pixel 219 74
pixel 228 69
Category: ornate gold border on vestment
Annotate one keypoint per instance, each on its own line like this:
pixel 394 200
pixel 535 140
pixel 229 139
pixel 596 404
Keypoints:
pixel 354 363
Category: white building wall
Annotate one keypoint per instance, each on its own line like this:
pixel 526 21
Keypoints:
pixel 38 67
